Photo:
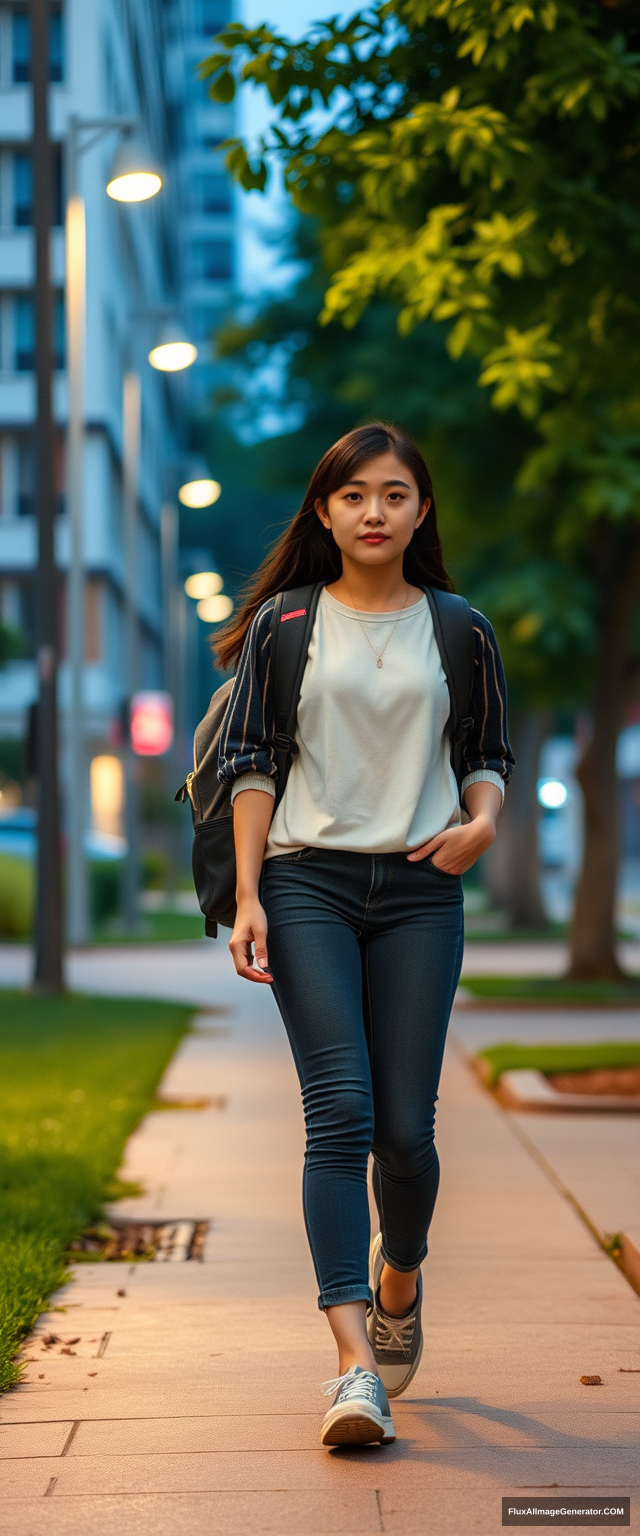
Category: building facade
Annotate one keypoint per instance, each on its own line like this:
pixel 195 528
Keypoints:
pixel 175 253
pixel 206 228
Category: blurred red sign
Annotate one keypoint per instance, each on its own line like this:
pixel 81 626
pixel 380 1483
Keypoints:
pixel 151 723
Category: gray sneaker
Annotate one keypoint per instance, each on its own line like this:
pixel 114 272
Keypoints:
pixel 359 1413
pixel 396 1341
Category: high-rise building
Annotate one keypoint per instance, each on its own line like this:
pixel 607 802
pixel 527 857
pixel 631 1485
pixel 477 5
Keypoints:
pixel 206 230
pixel 174 254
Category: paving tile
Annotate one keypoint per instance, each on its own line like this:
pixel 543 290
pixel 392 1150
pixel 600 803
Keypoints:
pixel 226 1432
pixel 448 1514
pixel 28 1477
pixel 30 1440
pixel 306 1513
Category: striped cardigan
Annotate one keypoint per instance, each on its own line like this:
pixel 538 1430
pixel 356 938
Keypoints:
pixel 245 745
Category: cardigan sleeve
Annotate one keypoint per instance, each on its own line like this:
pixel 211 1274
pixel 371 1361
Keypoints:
pixel 487 754
pixel 246 742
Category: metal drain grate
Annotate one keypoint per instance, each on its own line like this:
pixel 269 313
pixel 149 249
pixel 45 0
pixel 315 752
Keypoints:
pixel 166 1242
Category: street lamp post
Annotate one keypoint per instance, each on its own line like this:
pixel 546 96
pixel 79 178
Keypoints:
pixel 130 478
pixel 78 924
pixel 133 182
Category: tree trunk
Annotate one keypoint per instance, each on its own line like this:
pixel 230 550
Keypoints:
pixel 592 940
pixel 511 865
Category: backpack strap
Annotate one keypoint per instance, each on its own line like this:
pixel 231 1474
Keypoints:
pixel 453 629
pixel 291 629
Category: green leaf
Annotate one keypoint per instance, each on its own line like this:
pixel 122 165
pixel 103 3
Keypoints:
pixel 223 87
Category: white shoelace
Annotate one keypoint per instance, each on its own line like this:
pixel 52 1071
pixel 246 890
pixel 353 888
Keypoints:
pixel 365 1384
pixel 394 1332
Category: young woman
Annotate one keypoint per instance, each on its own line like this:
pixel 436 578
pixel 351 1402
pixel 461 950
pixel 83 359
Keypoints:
pixel 350 896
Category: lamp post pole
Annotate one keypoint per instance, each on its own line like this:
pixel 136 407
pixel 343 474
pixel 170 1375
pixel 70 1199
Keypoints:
pixel 48 924
pixel 82 134
pixel 77 896
pixel 130 476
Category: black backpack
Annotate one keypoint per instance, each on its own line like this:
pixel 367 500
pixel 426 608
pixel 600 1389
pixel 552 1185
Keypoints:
pixel 213 859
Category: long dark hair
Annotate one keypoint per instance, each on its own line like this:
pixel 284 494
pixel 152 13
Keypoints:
pixel 307 552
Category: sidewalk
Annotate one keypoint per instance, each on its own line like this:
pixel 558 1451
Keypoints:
pixel 192 1402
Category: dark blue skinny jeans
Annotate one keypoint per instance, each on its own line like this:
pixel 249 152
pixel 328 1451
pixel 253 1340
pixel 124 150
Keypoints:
pixel 365 951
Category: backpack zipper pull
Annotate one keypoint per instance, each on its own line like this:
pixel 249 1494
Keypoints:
pixel 185 791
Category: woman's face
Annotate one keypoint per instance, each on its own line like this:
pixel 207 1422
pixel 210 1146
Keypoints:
pixel 373 517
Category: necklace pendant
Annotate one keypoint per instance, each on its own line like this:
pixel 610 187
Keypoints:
pixel 378 661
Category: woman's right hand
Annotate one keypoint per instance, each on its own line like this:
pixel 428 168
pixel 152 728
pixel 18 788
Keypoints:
pixel 248 942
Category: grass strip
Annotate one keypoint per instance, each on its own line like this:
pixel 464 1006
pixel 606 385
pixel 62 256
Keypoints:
pixel 153 928
pixel 509 1057
pixel 76 1076
pixel 552 989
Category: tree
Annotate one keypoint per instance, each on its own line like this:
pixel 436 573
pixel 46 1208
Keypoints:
pixel 474 161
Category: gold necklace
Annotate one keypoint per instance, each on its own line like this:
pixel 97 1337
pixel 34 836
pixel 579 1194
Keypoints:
pixel 378 654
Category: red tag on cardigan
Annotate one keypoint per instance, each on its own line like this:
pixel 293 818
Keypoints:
pixel 297 613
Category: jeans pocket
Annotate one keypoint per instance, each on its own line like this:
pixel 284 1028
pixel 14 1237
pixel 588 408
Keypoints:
pixel 444 873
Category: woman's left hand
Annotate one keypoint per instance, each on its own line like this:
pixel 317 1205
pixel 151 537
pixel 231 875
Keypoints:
pixel 456 848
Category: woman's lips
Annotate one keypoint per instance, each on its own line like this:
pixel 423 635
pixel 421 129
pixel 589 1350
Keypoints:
pixel 374 538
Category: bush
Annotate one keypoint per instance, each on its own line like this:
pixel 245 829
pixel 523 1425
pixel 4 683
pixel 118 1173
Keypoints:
pixel 16 897
pixel 154 870
pixel 105 877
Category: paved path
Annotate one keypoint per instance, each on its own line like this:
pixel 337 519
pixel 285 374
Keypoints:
pixel 191 1404
pixel 151 966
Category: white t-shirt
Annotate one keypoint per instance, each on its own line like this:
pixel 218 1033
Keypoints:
pixel 373 772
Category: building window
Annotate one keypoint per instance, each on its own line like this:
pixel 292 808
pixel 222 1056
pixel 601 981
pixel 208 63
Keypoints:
pixel 211 260
pixel 23 334
pixel 22 191
pixel 26 477
pixel 211 192
pixel 23 188
pixel 56 47
pixel 21 46
pixel 211 16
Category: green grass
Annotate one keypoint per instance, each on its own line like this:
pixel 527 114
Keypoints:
pixel 76 1076
pixel 476 934
pixel 154 928
pixel 552 989
pixel 509 1057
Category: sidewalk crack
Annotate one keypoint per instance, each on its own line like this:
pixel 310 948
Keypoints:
pixel 70 1437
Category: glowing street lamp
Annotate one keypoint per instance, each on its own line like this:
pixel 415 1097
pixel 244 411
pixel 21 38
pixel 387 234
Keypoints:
pixel 212 610
pixel 199 493
pixel 134 178
pixel 204 584
pixel 173 351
